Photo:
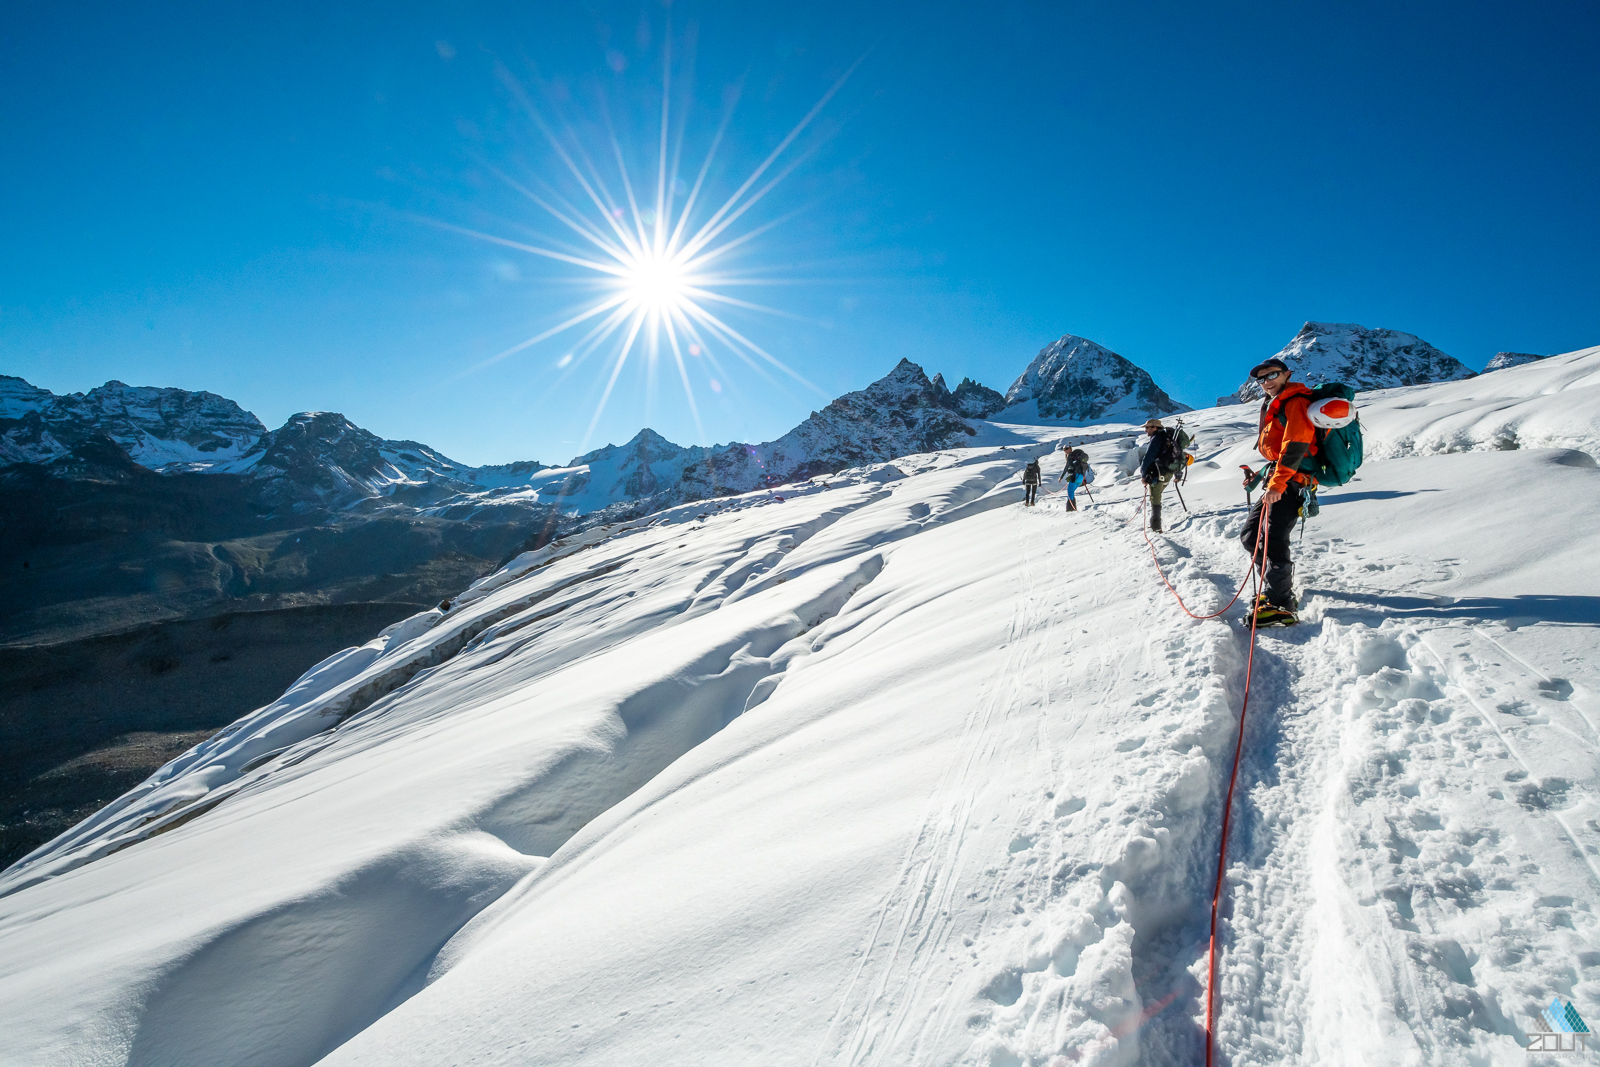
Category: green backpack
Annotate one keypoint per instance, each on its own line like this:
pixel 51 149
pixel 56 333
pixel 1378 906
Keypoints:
pixel 1332 411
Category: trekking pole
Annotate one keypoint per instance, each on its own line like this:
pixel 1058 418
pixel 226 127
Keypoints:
pixel 1179 489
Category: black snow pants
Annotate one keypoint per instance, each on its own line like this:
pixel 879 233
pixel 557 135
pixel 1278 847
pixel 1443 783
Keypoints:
pixel 1033 492
pixel 1278 568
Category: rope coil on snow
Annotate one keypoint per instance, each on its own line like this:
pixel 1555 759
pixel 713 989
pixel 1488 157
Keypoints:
pixel 1258 554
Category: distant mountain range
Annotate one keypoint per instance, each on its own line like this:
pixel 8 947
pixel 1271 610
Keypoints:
pixel 125 506
pixel 320 468
pixel 192 505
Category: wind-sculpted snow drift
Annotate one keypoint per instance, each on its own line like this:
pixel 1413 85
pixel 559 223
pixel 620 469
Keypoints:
pixel 891 771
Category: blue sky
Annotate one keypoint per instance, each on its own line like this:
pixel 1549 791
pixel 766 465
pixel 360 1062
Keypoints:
pixel 247 200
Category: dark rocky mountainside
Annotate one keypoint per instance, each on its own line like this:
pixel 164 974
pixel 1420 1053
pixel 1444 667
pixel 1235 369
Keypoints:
pixel 969 399
pixel 320 459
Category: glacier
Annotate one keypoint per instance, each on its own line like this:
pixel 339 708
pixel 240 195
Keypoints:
pixel 880 767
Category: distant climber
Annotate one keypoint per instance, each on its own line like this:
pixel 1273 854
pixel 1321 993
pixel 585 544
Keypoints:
pixel 1075 472
pixel 1031 477
pixel 1287 439
pixel 1162 459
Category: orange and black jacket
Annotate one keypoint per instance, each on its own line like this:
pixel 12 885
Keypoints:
pixel 1286 436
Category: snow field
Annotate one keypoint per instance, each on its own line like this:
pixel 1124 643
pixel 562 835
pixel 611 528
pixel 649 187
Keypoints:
pixel 895 771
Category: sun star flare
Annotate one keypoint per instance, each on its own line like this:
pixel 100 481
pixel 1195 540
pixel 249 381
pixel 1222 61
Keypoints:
pixel 652 257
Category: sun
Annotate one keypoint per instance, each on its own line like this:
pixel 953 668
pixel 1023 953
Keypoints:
pixel 660 252
pixel 656 283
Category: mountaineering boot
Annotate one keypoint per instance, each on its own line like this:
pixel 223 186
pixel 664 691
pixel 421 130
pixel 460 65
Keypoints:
pixel 1279 583
pixel 1270 614
pixel 1072 505
pixel 1155 517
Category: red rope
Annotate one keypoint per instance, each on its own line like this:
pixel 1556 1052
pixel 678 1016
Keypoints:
pixel 1238 749
pixel 1227 818
pixel 1143 528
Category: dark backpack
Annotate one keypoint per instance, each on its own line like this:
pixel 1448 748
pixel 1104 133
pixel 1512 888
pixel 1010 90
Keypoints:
pixel 1077 461
pixel 1031 473
pixel 1170 459
pixel 1339 448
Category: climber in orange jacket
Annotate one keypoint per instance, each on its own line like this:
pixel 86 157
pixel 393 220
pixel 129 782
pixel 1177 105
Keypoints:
pixel 1287 438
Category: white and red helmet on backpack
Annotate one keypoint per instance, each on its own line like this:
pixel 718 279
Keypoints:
pixel 1331 412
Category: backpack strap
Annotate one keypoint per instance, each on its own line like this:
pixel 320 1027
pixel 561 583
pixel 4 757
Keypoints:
pixel 1277 407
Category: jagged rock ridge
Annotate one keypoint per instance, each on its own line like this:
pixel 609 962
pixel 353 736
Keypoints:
pixel 1360 357
pixel 1078 380
pixel 1502 360
pixel 969 399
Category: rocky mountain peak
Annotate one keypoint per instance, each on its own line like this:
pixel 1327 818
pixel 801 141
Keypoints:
pixel 969 399
pixel 18 397
pixel 321 457
pixel 1502 360
pixel 1074 378
pixel 974 401
pixel 1360 357
pixel 646 445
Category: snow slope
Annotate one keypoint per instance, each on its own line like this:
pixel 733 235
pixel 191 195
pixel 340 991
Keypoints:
pixel 896 771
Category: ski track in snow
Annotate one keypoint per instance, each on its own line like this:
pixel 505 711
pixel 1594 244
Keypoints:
pixel 900 772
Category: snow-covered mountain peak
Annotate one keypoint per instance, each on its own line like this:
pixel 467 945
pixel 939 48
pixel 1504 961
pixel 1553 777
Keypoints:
pixel 1077 380
pixel 645 443
pixel 19 396
pixel 1360 357
pixel 323 457
pixel 1502 360
pixel 158 427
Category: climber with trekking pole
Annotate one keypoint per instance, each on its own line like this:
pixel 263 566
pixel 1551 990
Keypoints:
pixel 1164 457
pixel 1076 472
pixel 1310 438
pixel 1287 439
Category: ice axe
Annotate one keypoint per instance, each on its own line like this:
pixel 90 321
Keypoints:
pixel 1252 478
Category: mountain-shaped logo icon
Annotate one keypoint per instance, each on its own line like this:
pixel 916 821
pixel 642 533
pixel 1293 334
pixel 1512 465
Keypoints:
pixel 1554 1020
